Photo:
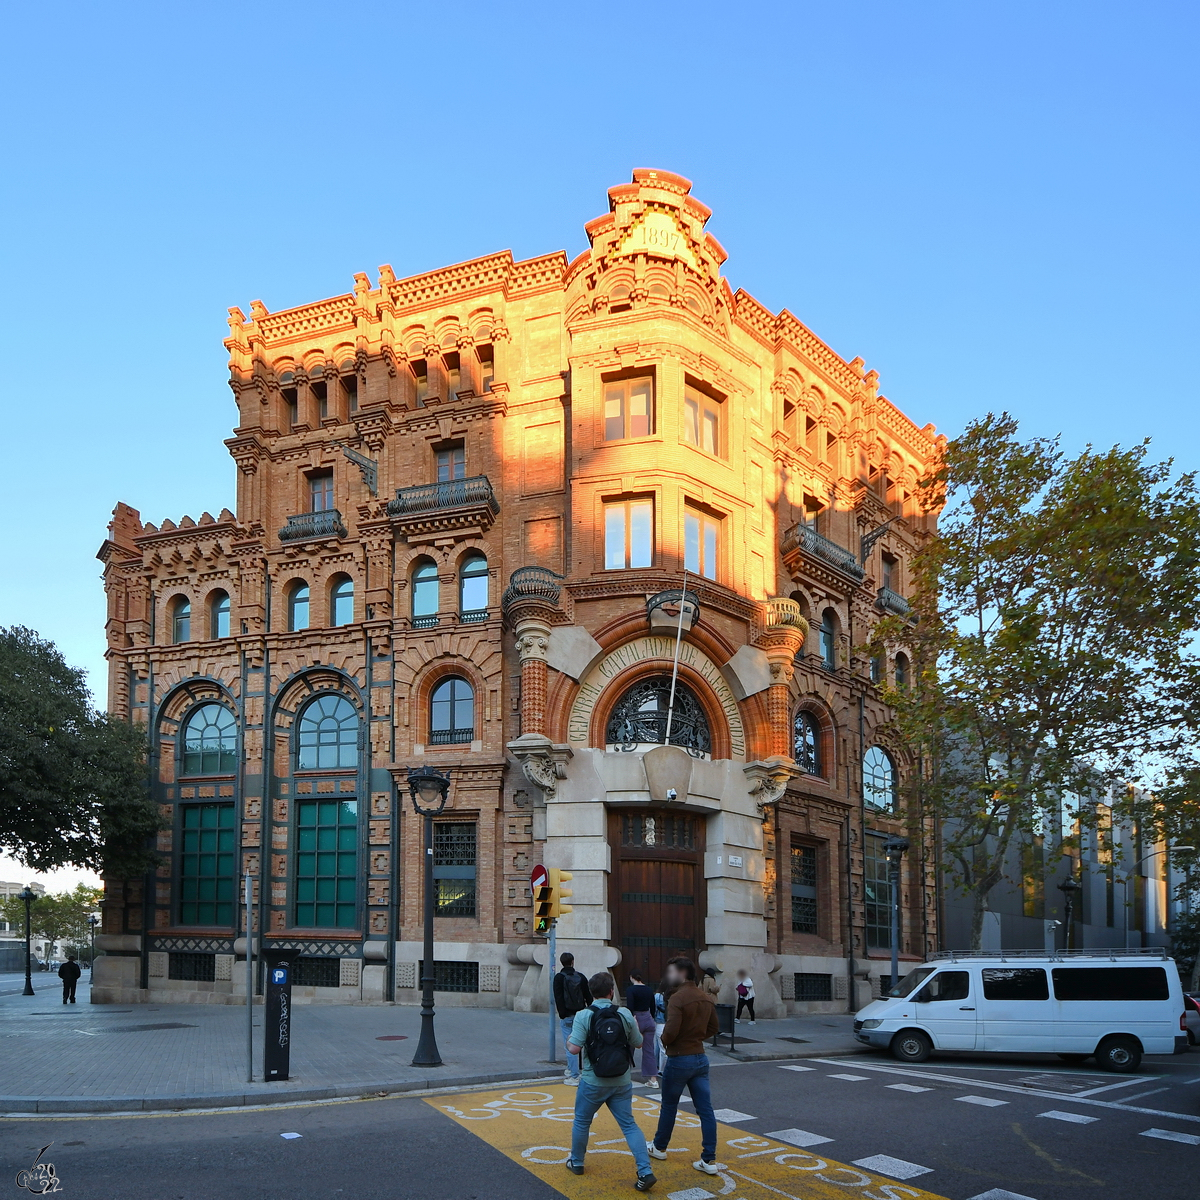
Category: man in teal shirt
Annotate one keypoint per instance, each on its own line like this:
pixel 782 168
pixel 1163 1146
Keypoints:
pixel 614 1090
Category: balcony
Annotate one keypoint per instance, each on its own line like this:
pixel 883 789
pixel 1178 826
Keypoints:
pixel 532 584
pixel 891 602
pixel 313 526
pixel 460 504
pixel 809 542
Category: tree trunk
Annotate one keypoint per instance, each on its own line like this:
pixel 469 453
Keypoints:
pixel 978 909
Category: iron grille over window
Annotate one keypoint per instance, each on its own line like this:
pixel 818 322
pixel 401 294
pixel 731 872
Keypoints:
pixel 640 717
pixel 878 894
pixel 192 967
pixel 450 976
pixel 813 987
pixel 454 851
pixel 667 832
pixel 317 972
pixel 804 889
pixel 806 740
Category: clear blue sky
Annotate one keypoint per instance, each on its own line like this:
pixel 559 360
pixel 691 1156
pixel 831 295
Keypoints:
pixel 994 204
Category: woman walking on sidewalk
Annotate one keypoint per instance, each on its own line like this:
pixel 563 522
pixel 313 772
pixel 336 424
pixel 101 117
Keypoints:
pixel 639 999
pixel 745 995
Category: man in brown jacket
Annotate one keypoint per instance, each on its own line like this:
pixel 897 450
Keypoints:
pixel 691 1017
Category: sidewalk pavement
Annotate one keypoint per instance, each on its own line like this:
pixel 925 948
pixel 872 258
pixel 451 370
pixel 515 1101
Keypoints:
pixel 105 1058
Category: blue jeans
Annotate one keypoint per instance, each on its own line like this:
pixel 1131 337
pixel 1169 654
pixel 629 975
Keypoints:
pixel 619 1099
pixel 690 1071
pixel 572 1059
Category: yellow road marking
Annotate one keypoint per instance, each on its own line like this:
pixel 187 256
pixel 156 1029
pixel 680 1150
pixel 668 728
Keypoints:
pixel 532 1127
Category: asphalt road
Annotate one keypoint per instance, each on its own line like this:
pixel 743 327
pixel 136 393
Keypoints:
pixel 967 1125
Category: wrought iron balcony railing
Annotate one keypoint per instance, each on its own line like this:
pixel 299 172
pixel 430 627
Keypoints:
pixel 438 497
pixel 532 583
pixel 809 541
pixel 783 611
pixel 472 616
pixel 891 602
pixel 304 526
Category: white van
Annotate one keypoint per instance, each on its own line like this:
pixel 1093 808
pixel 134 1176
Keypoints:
pixel 1114 1004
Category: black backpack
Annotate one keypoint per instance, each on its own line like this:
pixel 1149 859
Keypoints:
pixel 607 1045
pixel 573 991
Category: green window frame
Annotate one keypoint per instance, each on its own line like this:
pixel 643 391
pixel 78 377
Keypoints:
pixel 327 864
pixel 206 862
pixel 210 741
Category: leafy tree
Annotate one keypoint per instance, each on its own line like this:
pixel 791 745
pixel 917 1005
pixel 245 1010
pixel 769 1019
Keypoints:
pixel 72 780
pixel 56 917
pixel 1052 645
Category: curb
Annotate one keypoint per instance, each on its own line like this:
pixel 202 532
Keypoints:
pixel 749 1056
pixel 12 1106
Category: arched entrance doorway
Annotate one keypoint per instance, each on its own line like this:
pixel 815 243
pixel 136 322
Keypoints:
pixel 657 892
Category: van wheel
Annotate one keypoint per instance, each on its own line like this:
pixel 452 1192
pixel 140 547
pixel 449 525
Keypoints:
pixel 911 1045
pixel 1119 1053
pixel 1074 1058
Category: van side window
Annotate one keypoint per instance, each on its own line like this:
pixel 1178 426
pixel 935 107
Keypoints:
pixel 1015 983
pixel 1111 983
pixel 947 985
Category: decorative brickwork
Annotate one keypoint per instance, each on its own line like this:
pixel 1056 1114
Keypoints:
pixel 455 493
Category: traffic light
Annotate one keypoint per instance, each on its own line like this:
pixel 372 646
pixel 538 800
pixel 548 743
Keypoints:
pixel 542 905
pixel 558 893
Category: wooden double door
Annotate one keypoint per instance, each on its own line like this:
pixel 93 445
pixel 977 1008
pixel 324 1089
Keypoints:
pixel 657 891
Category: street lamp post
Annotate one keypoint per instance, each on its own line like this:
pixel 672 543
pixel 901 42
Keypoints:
pixel 1069 888
pixel 428 790
pixel 894 848
pixel 29 896
pixel 92 923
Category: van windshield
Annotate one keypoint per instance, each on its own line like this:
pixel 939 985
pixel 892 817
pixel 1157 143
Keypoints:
pixel 912 981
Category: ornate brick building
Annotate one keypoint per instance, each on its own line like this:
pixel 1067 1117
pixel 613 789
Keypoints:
pixel 465 504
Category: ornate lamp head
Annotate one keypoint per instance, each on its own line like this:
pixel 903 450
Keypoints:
pixel 428 790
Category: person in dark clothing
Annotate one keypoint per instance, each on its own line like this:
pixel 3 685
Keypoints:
pixel 571 995
pixel 639 999
pixel 69 973
pixel 691 1019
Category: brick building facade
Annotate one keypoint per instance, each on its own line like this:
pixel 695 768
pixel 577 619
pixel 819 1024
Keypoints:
pixel 465 503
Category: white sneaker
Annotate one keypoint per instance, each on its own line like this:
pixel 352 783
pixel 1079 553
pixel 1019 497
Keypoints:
pixel 708 1168
pixel 738 1020
pixel 655 1152
pixel 571 1081
pixel 753 1022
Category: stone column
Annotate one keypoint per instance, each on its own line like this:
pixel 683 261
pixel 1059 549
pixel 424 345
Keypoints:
pixel 533 635
pixel 781 640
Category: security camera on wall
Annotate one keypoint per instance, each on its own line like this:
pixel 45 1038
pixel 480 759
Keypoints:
pixel 672 794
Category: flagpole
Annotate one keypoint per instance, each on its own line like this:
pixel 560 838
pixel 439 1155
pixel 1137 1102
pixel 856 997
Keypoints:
pixel 675 664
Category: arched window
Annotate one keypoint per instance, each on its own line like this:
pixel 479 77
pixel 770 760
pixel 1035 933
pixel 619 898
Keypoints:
pixel 341 601
pixel 298 607
pixel 452 712
pixel 876 668
pixel 181 621
pixel 880 789
pixel 210 741
pixel 828 639
pixel 806 742
pixel 425 594
pixel 218 615
pixel 328 734
pixel 473 588
pixel 902 670
pixel 640 718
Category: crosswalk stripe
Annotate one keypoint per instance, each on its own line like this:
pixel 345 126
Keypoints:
pixel 1169 1135
pixel 1074 1118
pixel 897 1168
pixel 532 1128
pixel 906 1087
pixel 985 1101
pixel 1000 1194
